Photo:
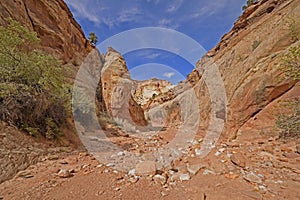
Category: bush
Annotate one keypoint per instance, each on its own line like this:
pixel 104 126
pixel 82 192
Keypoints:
pixel 32 89
pixel 249 2
pixel 289 124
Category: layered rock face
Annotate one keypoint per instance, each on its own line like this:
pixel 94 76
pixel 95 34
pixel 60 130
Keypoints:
pixel 60 34
pixel 148 92
pixel 117 87
pixel 248 60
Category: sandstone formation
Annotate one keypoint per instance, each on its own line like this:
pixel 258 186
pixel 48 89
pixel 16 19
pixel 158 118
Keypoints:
pixel 116 91
pixel 60 34
pixel 248 60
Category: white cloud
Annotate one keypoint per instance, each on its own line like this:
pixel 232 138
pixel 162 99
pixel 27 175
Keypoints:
pixel 208 9
pixel 126 15
pixel 174 7
pixel 169 74
pixel 167 23
pixel 82 10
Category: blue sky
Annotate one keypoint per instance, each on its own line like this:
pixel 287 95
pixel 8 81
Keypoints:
pixel 203 21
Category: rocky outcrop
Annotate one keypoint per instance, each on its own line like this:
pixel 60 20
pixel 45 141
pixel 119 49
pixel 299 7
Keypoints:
pixel 117 89
pixel 248 60
pixel 60 34
pixel 148 92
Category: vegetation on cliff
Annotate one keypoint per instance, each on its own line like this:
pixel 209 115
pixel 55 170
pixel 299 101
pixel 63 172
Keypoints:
pixel 32 89
pixel 289 124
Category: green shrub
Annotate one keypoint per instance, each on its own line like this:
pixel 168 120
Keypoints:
pixel 289 124
pixel 32 87
pixel 290 63
pixel 248 3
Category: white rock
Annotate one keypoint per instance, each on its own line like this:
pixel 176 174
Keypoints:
pixel 121 153
pixel 131 172
pixel 159 179
pixel 184 177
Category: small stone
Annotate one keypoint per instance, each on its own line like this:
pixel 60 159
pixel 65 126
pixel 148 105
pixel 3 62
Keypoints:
pixel 146 167
pixel 252 178
pixel 238 159
pixel 52 157
pixel 82 154
pixel 163 193
pixel 194 169
pixel 64 173
pixel 133 179
pixel 184 177
pixel 198 152
pixel 131 172
pixel 117 189
pixel 121 153
pixel 25 174
pixel 160 179
pixel 63 162
pixel 110 164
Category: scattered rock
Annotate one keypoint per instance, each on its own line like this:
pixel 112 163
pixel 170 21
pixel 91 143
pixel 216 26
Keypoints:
pixel 63 162
pixel 238 159
pixel 25 174
pixel 133 179
pixel 121 153
pixel 160 179
pixel 146 167
pixel 53 157
pixel 194 169
pixel 82 154
pixel 64 173
pixel 164 193
pixel 198 152
pixel 252 178
pixel 132 172
pixel 184 177
pixel 110 164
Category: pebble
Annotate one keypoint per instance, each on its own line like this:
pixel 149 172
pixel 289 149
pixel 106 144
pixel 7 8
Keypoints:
pixel 52 157
pixel 163 193
pixel 252 177
pixel 131 172
pixel 121 153
pixel 160 179
pixel 133 179
pixel 238 159
pixel 64 173
pixel 184 177
pixel 25 174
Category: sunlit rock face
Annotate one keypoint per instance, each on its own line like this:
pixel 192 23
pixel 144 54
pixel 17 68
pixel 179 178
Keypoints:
pixel 60 34
pixel 117 87
pixel 248 60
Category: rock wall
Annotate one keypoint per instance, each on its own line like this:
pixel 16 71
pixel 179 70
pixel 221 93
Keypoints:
pixel 248 60
pixel 117 89
pixel 60 34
